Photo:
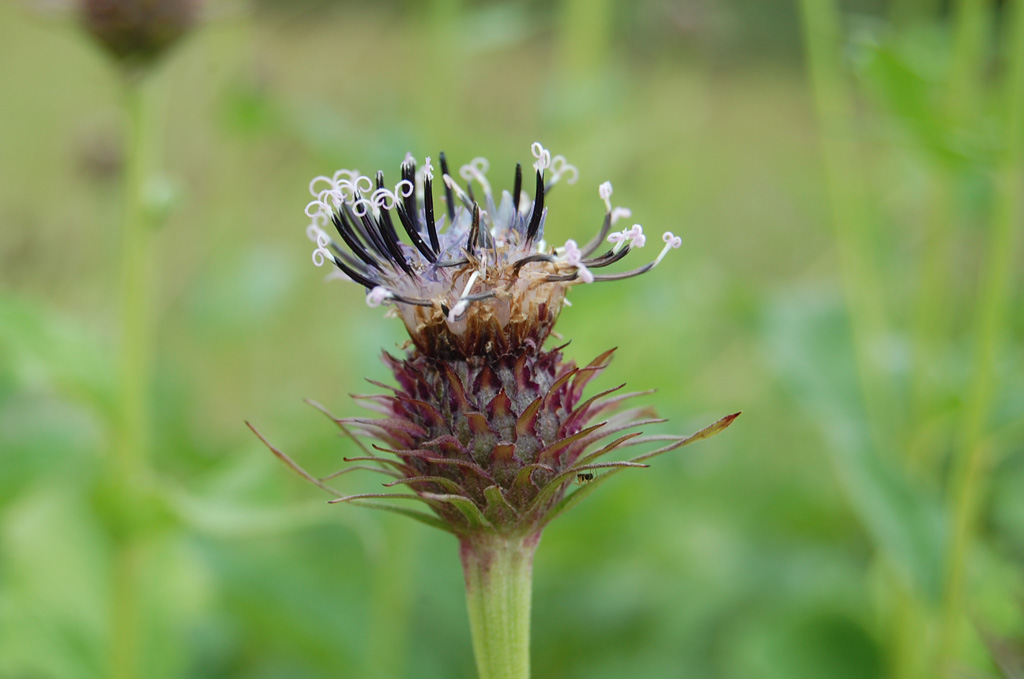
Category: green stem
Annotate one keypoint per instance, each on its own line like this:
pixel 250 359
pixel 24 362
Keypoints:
pixel 851 215
pixel 864 293
pixel 962 96
pixel 905 12
pixel 499 572
pixel 135 292
pixel 130 460
pixel 970 464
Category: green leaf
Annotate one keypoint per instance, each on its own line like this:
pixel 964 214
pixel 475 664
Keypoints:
pixel 808 339
pixel 41 348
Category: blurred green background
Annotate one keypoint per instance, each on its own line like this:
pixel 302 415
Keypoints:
pixel 846 178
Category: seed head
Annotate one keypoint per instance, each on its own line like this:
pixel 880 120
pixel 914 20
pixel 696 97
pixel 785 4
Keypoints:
pixel 137 32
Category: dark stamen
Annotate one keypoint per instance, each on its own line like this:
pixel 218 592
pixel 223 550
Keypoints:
pixel 367 230
pixel 476 298
pixel 538 208
pixel 602 277
pixel 411 300
pixel 447 190
pixel 409 175
pixel 428 201
pixel 596 241
pixel 350 260
pixel 474 231
pixel 371 227
pixel 538 257
pixel 625 274
pixel 607 258
pixel 351 240
pixel 390 236
pixel 484 240
pixel 414 235
pixel 517 190
pixel 462 261
pixel 353 274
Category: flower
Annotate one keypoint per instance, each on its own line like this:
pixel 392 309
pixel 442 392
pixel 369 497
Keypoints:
pixel 486 284
pixel 486 427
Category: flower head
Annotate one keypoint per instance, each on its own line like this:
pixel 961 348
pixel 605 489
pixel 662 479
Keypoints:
pixel 474 276
pixel 485 426
pixel 137 33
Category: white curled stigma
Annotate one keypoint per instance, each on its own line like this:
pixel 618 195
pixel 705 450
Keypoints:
pixel 321 254
pixel 542 155
pixel 620 212
pixel 428 169
pixel 320 209
pixel 317 223
pixel 383 199
pixel 404 189
pixel 574 257
pixel 361 183
pixel 474 171
pixel 346 186
pixel 331 182
pixel 561 167
pixel 335 195
pixel 313 231
pixel 351 176
pixel 672 242
pixel 361 206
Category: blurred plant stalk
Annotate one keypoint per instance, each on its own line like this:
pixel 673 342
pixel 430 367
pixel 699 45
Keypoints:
pixel 135 36
pixel 973 453
pixel 130 473
pixel 929 639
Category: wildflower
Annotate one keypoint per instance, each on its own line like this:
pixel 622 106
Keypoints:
pixel 486 427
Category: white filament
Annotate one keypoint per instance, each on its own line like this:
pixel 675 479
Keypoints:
pixel 671 243
pixel 605 191
pixel 474 171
